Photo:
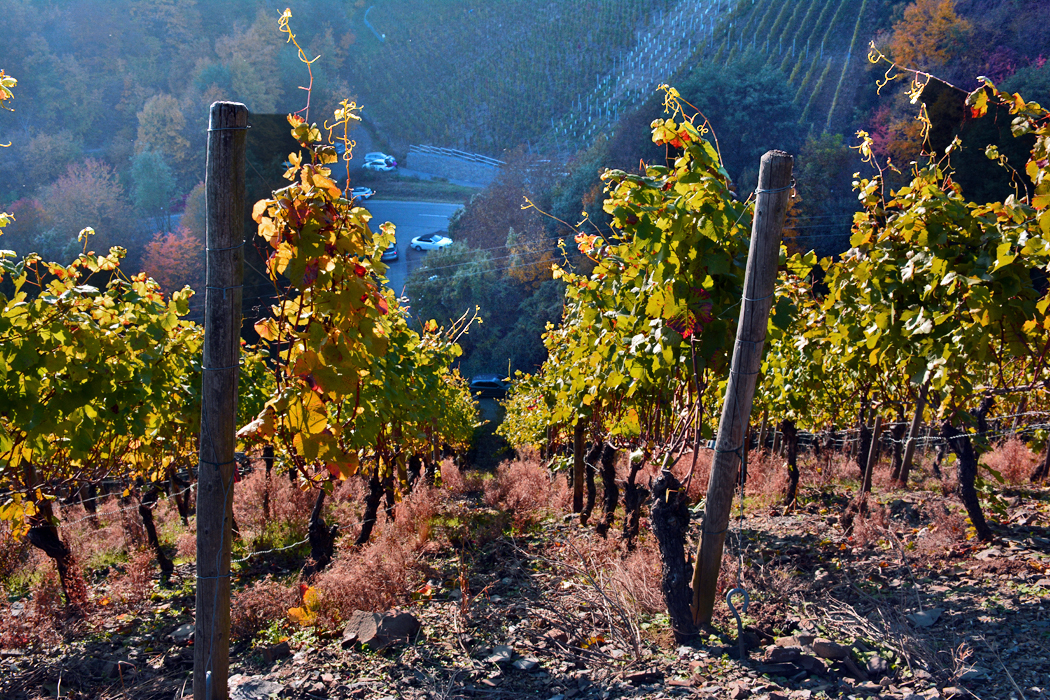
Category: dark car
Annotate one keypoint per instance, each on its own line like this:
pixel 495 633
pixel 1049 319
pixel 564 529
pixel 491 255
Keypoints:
pixel 390 254
pixel 488 386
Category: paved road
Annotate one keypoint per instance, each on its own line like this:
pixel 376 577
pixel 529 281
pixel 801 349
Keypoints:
pixel 410 219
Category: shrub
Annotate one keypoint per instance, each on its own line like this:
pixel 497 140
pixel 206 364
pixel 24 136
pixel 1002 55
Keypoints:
pixel 522 487
pixel 375 577
pixel 1012 459
pixel 128 589
pixel 289 508
pixel 252 609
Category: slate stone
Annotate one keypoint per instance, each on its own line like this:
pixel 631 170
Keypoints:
pixel 183 634
pixel 827 649
pixel 778 654
pixel 278 651
pixel 556 635
pixel 380 630
pixel 877 667
pixel 926 618
pixel 644 677
pixel 813 664
pixel 501 654
pixel 252 688
pixel 785 670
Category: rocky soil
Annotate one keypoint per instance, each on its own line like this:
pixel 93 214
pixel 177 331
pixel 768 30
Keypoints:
pixel 899 610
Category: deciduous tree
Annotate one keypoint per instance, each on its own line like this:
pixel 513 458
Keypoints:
pixel 89 194
pixel 175 260
pixel 930 35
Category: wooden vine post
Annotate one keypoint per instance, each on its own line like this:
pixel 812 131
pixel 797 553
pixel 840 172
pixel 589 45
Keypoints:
pixel 225 193
pixel 913 434
pixel 579 432
pixel 771 203
pixel 873 455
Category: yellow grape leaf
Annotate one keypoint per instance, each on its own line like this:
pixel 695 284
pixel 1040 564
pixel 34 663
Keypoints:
pixel 259 209
pixel 307 414
pixel 261 427
pixel 978 102
pixel 267 329
pixel 303 616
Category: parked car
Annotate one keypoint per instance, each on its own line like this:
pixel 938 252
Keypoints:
pixel 379 155
pixel 382 166
pixel 431 241
pixel 362 193
pixel 390 254
pixel 488 386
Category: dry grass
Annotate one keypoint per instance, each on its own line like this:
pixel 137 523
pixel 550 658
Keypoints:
pixel 253 608
pixel 289 508
pixel 523 488
pixel 458 482
pixel 1013 460
pixel 384 572
pixel 128 589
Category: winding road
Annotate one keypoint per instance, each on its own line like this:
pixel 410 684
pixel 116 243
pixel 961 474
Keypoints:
pixel 410 219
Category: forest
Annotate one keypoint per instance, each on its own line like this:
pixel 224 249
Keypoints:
pixel 766 283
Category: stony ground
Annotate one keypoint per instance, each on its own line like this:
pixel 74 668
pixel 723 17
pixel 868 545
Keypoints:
pixel 899 610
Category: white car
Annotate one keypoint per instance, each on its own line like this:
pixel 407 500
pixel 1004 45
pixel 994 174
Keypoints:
pixel 431 241
pixel 362 193
pixel 382 166
pixel 379 155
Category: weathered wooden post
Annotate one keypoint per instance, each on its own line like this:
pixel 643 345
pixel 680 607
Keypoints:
pixel 774 185
pixel 579 432
pixel 913 435
pixel 873 454
pixel 763 431
pixel 224 186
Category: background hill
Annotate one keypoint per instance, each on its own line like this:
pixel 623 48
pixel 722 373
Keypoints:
pixel 109 127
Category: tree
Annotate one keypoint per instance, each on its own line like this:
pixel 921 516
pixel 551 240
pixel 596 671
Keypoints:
pixel 161 127
pixel 826 202
pixel 30 219
pixel 48 152
pixel 175 260
pixel 930 35
pixel 89 194
pixel 249 55
pixel 531 256
pixel 751 110
pixel 153 182
pixel 194 216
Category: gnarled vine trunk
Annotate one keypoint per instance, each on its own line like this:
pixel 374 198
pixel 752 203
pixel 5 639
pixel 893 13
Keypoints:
pixel 146 505
pixel 375 495
pixel 611 491
pixel 44 536
pixel 322 539
pixel 633 497
pixel 669 518
pixel 897 432
pixel 865 448
pixel 966 459
pixel 791 447
pixel 592 491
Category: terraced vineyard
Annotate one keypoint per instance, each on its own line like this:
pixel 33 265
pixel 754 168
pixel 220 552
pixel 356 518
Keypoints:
pixel 507 70
pixel 818 44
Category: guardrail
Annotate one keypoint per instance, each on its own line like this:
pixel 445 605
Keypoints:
pixel 459 155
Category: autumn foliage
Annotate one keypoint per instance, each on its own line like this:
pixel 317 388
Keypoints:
pixel 175 260
pixel 930 35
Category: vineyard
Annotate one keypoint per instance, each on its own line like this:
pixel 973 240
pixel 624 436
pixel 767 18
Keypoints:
pixel 877 425
pixel 489 103
pixel 819 45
